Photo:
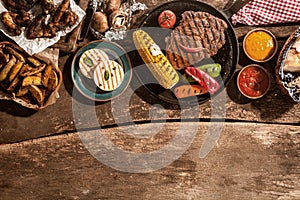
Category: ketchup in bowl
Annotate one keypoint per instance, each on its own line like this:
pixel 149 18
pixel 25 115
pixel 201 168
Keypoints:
pixel 253 81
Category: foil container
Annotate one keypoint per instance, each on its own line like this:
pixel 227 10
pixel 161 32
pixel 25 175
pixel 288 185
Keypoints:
pixel 33 46
pixel 128 6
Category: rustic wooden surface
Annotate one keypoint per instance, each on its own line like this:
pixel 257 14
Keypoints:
pixel 256 157
pixel 250 161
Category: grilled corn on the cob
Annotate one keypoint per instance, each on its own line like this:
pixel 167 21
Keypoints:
pixel 156 61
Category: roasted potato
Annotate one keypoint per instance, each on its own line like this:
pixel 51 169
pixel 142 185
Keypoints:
pixel 22 91
pixel 46 75
pixel 31 80
pixel 33 70
pixel 27 78
pixel 4 72
pixel 15 53
pixel 34 61
pixel 4 58
pixel 53 81
pixel 13 85
pixel 15 70
pixel 37 94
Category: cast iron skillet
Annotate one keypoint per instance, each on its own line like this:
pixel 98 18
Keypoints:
pixel 227 56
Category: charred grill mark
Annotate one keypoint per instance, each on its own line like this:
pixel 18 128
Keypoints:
pixel 184 56
pixel 222 26
pixel 147 42
pixel 208 35
pixel 170 57
pixel 197 38
pixel 205 45
pixel 111 80
pixel 191 38
pixel 184 40
pixel 179 53
pixel 166 65
pixel 211 32
pixel 200 36
pixel 169 52
pixel 145 38
pixel 217 33
pixel 195 30
pixel 189 91
pixel 174 77
pixel 201 29
pixel 120 74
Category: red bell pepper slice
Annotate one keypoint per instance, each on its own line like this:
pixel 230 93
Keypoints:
pixel 205 80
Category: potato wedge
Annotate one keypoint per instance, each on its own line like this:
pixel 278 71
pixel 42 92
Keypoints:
pixel 46 75
pixel 13 84
pixel 33 71
pixel 15 53
pixel 26 99
pixel 15 70
pixel 39 75
pixel 32 80
pixel 4 58
pixel 4 72
pixel 37 94
pixel 22 91
pixel 53 81
pixel 34 61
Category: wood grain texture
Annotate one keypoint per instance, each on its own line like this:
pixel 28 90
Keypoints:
pixel 250 161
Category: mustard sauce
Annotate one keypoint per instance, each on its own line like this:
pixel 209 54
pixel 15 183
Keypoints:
pixel 259 45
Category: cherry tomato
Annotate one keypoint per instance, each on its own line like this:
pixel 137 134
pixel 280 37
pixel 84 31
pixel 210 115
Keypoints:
pixel 166 19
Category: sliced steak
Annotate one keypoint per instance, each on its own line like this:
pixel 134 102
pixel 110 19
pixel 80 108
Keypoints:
pixel 199 35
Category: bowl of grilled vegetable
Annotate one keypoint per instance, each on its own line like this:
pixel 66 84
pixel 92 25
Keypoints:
pixel 29 80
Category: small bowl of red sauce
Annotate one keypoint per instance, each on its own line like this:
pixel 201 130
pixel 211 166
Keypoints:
pixel 260 45
pixel 253 81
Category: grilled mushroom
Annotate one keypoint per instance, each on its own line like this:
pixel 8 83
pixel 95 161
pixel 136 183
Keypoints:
pixel 118 19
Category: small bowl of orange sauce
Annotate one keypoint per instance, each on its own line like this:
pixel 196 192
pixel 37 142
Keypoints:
pixel 253 81
pixel 260 45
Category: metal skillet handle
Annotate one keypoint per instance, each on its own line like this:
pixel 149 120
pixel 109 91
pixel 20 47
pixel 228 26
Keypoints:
pixel 234 8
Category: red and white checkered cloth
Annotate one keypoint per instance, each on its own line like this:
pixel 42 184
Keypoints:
pixel 265 12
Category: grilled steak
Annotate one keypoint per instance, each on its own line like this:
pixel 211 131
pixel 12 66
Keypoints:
pixel 199 35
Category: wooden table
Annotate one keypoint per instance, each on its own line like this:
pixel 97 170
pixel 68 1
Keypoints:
pixel 257 155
